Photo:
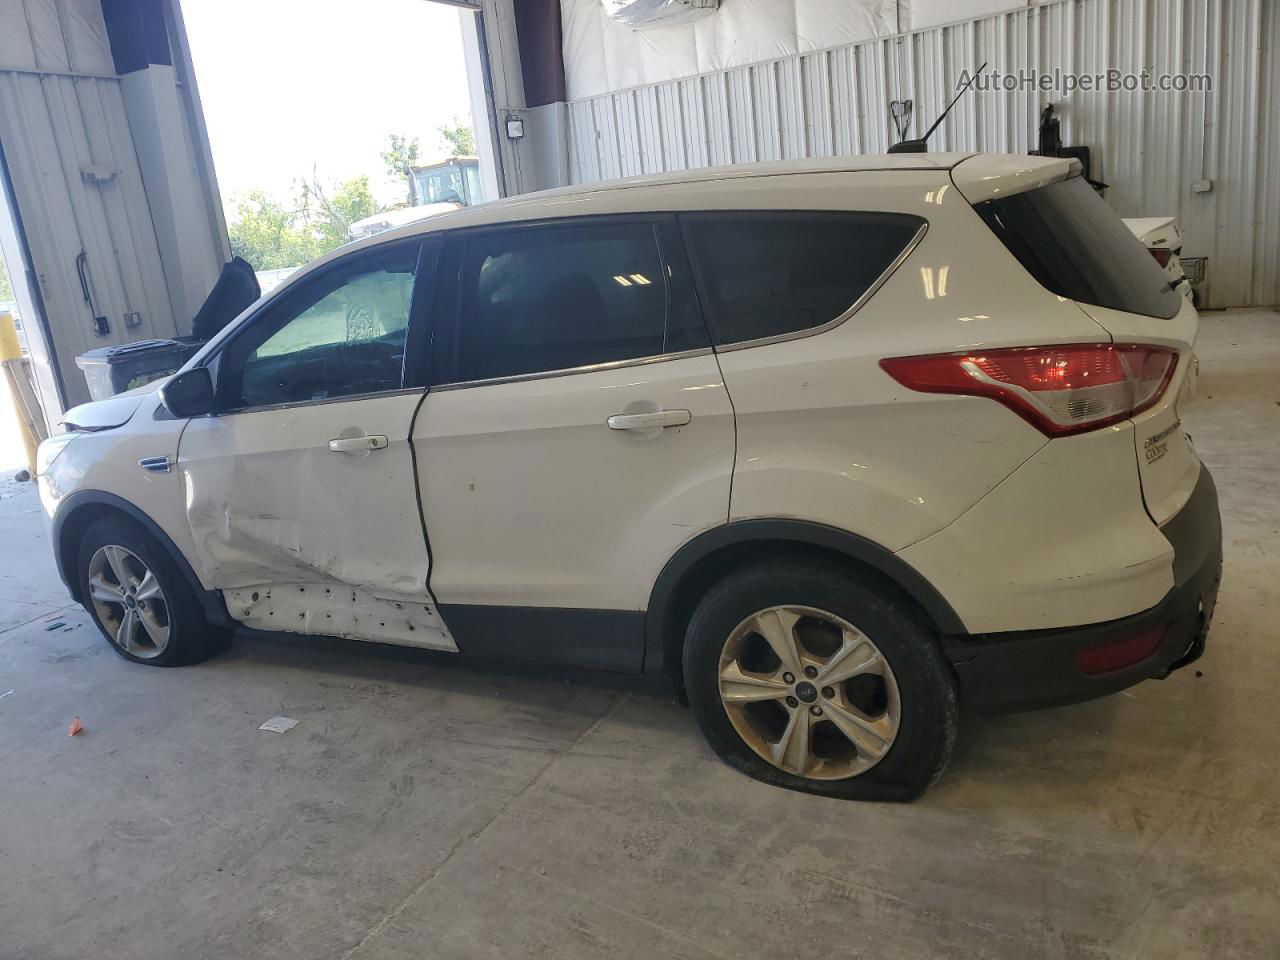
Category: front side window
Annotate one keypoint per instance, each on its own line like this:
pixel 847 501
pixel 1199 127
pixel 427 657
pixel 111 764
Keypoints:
pixel 339 334
pixel 765 274
pixel 557 296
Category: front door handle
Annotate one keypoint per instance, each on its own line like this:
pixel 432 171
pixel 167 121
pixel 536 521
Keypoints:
pixel 357 444
pixel 648 421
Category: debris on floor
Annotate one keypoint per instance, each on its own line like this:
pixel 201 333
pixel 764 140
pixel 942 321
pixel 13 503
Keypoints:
pixel 76 727
pixel 279 725
pixel 5 694
pixel 55 625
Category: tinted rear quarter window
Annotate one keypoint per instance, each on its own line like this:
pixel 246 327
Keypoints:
pixel 765 274
pixel 1076 246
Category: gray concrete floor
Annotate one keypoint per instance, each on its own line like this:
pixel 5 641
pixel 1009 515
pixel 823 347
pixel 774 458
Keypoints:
pixel 426 808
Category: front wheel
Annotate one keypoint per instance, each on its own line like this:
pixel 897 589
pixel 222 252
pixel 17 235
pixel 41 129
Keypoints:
pixel 813 679
pixel 140 600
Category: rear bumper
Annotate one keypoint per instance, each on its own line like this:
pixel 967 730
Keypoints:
pixel 1038 668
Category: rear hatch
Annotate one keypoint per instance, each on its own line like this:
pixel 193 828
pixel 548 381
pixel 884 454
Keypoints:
pixel 1066 236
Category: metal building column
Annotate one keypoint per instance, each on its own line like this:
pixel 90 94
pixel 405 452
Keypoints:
pixel 139 35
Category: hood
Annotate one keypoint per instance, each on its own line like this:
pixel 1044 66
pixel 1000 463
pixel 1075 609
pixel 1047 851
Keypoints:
pixel 112 412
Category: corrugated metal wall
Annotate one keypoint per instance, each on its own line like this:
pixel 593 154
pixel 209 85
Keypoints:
pixel 62 121
pixel 1149 146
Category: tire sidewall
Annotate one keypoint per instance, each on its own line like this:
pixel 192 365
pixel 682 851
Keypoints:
pixel 184 620
pixel 926 686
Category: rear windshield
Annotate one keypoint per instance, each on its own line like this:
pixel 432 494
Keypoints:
pixel 1067 237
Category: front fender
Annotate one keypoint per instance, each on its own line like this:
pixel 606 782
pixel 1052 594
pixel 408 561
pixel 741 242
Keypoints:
pixel 77 511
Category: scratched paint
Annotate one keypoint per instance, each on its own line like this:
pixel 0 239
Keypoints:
pixel 268 502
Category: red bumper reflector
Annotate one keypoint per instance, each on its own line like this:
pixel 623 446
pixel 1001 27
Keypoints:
pixel 1115 654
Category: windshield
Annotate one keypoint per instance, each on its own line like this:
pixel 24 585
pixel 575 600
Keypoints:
pixel 441 186
pixel 1076 246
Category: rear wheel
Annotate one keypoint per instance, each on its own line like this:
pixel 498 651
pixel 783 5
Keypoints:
pixel 814 680
pixel 140 600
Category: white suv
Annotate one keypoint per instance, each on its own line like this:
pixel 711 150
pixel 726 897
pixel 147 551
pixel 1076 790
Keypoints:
pixel 838 446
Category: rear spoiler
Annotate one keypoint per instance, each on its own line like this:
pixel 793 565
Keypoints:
pixel 991 175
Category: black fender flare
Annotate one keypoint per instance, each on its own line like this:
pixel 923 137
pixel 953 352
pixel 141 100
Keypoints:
pixel 64 554
pixel 791 532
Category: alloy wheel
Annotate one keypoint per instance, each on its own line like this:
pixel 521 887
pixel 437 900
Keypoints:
pixel 128 602
pixel 809 692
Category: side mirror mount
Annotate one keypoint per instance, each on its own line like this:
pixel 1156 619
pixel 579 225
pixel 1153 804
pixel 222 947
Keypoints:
pixel 189 393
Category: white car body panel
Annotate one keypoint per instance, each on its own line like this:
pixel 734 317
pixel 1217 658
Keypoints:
pixel 1155 231
pixel 823 429
pixel 1064 541
pixel 532 500
pixel 1169 463
pixel 275 515
pixel 111 412
pixel 989 176
pixel 106 460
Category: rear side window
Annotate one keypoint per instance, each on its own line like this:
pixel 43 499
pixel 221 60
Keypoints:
pixel 559 296
pixel 1076 246
pixel 764 274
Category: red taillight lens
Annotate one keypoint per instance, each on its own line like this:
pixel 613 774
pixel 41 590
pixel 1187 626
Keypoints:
pixel 1059 390
pixel 1161 255
pixel 1115 654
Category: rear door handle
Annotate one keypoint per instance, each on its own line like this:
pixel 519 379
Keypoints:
pixel 648 421
pixel 357 444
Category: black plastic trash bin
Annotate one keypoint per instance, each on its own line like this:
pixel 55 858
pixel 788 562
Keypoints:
pixel 114 369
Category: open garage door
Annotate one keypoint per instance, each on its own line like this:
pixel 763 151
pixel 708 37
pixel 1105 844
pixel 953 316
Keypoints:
pixel 365 121
pixel 77 190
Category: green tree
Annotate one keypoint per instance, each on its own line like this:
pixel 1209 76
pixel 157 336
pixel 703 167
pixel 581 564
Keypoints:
pixel 329 216
pixel 6 288
pixel 270 235
pixel 401 152
pixel 460 138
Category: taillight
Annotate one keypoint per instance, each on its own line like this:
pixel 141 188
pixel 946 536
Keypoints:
pixel 1060 390
pixel 1161 254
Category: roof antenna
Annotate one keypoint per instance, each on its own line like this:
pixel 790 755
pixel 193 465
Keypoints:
pixel 921 145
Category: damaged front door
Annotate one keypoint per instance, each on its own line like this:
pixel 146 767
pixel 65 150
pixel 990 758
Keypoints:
pixel 300 489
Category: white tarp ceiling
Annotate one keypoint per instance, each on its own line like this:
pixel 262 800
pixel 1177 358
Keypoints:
pixel 601 55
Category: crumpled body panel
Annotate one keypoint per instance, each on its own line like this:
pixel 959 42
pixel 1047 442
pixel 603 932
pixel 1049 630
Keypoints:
pixel 270 504
pixel 336 611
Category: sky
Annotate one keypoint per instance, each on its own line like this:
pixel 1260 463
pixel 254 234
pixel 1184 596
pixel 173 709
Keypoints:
pixel 291 84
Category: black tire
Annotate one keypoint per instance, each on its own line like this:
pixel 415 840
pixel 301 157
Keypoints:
pixel 927 701
pixel 191 638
